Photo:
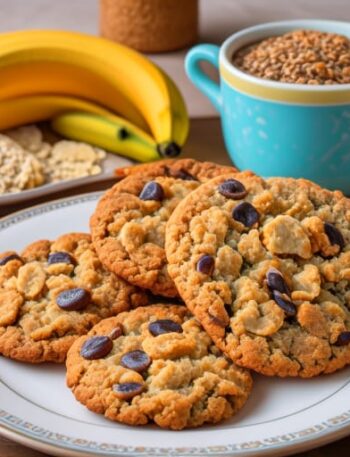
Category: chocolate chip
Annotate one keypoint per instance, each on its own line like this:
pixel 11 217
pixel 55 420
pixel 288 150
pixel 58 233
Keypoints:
pixel 135 360
pixel 343 339
pixel 152 191
pixel 116 332
pixel 156 299
pixel 232 189
pixel 229 310
pixel 218 321
pixel 275 281
pixel 164 326
pixel 128 390
pixel 206 264
pixel 73 299
pixel 96 347
pixel 8 258
pixel 334 235
pixel 60 257
pixel 181 174
pixel 246 214
pixel 283 302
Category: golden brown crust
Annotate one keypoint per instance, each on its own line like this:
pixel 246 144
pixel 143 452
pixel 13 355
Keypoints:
pixel 128 233
pixel 290 237
pixel 168 167
pixel 33 328
pixel 187 384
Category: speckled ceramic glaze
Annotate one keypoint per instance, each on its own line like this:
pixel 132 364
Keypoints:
pixel 274 128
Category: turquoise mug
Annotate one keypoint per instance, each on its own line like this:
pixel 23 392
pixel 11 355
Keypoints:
pixel 276 128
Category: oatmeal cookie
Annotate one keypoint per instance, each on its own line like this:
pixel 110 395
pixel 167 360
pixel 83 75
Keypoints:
pixel 265 267
pixel 176 168
pixel 155 364
pixel 128 226
pixel 54 292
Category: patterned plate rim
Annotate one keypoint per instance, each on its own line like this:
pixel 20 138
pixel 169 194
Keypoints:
pixel 42 439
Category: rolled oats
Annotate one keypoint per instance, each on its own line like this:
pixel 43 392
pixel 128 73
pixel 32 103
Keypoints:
pixel 27 161
pixel 70 159
pixel 27 136
pixel 19 169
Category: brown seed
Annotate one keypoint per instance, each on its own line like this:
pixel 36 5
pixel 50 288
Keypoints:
pixel 136 360
pixel 299 56
pixel 96 347
pixel 128 390
pixel 74 299
pixel 162 326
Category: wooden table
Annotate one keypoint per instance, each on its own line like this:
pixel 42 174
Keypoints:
pixel 205 143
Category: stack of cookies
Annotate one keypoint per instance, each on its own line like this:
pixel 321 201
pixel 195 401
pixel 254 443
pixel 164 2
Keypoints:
pixel 194 274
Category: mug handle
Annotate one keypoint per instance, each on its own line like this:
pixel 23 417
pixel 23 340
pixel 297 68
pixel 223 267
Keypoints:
pixel 209 53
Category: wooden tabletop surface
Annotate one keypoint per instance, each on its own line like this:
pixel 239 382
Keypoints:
pixel 205 143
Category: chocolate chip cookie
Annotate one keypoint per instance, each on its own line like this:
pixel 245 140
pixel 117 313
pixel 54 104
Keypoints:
pixel 54 292
pixel 265 267
pixel 188 169
pixel 128 226
pixel 155 364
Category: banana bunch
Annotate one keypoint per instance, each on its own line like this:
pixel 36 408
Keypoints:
pixel 93 90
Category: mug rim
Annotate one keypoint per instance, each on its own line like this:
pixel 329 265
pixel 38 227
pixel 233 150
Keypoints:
pixel 266 29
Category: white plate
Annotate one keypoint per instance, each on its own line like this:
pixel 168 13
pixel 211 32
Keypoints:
pixel 108 165
pixel 281 417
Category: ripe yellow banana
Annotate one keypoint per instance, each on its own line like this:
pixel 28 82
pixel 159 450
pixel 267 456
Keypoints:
pixel 116 77
pixel 111 133
pixel 27 110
